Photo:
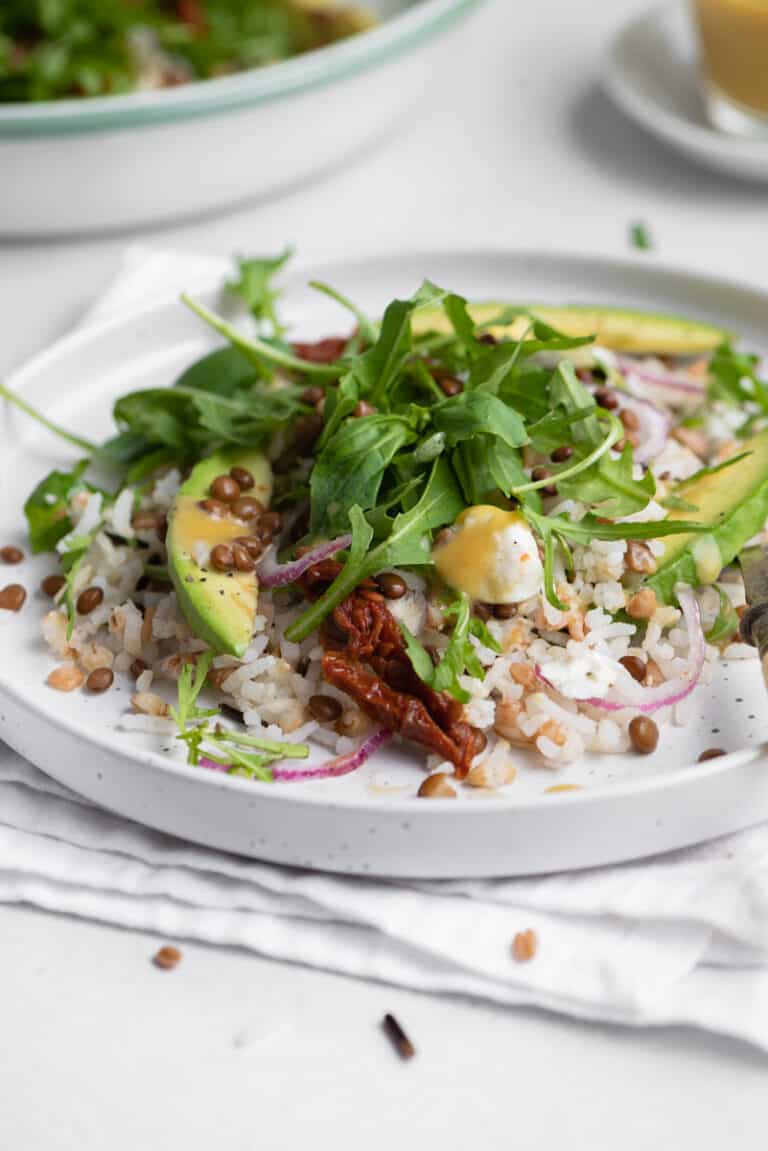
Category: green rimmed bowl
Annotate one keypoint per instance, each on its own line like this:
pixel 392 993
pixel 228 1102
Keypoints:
pixel 76 166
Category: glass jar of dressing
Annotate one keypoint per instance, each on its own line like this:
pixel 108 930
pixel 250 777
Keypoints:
pixel 733 37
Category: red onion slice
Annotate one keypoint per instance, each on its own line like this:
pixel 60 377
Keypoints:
pixel 653 424
pixel 271 574
pixel 341 765
pixel 658 378
pixel 650 699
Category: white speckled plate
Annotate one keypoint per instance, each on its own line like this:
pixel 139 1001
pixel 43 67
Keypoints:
pixel 652 74
pixel 371 822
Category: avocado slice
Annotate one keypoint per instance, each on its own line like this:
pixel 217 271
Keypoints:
pixel 622 329
pixel 220 607
pixel 733 503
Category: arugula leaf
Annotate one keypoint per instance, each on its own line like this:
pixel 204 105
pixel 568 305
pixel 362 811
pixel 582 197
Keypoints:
pixel 368 331
pixel 351 467
pixel 260 352
pixel 46 508
pixel 471 413
pixel 254 286
pixel 734 379
pixel 62 433
pixel 592 528
pixel 639 236
pixel 726 622
pixel 610 486
pixel 712 470
pixel 459 658
pixel 407 544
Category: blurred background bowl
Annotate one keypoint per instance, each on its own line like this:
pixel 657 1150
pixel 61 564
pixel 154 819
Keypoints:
pixel 105 163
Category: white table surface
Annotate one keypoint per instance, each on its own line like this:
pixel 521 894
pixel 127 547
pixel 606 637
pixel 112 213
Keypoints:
pixel 99 1049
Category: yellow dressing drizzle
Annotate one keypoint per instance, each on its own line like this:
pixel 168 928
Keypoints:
pixel 467 561
pixel 192 525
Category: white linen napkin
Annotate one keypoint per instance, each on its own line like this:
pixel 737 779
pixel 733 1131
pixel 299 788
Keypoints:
pixel 678 939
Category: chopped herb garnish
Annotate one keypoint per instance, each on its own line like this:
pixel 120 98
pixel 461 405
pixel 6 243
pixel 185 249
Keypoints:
pixel 640 237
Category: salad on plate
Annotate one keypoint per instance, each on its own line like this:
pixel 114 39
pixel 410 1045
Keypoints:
pixel 490 531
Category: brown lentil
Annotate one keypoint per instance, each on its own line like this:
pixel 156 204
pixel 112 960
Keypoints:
pixel 504 610
pixel 363 408
pixel 444 536
pixel 12 597
pixel 437 786
pixel 11 555
pixel 540 473
pixel 66 678
pixel 246 508
pixel 640 558
pixel 487 338
pixel 100 680
pixel 269 525
pixel 167 958
pixel 89 600
pixel 138 667
pixel 629 419
pixel 253 546
pixel 479 740
pixel 642 604
pixel 242 478
pixel 243 560
pixel 222 558
pixel 607 399
pixel 214 508
pixel 634 665
pixel 312 395
pixel 391 585
pixel 481 611
pixel 644 734
pixel 450 386
pixel 711 753
pixel 561 454
pixel 525 945
pixel 226 489
pixel 146 521
pixel 653 674
pixel 52 585
pixel 324 708
pixel 398 1037
pixel 306 430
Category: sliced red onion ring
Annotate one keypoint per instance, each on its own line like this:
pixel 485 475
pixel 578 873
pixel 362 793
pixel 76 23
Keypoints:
pixel 653 424
pixel 271 574
pixel 650 699
pixel 657 377
pixel 341 765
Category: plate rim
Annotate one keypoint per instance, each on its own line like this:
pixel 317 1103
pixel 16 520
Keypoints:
pixel 210 282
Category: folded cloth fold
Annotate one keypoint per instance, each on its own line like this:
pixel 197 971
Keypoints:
pixel 678 939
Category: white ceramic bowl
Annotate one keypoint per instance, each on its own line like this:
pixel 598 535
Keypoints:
pixel 125 161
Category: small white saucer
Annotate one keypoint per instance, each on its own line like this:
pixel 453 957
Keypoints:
pixel 652 75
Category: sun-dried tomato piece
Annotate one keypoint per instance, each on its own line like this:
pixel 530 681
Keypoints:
pixel 391 709
pixel 364 631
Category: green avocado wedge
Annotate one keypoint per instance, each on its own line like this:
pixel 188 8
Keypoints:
pixel 733 503
pixel 621 329
pixel 220 607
